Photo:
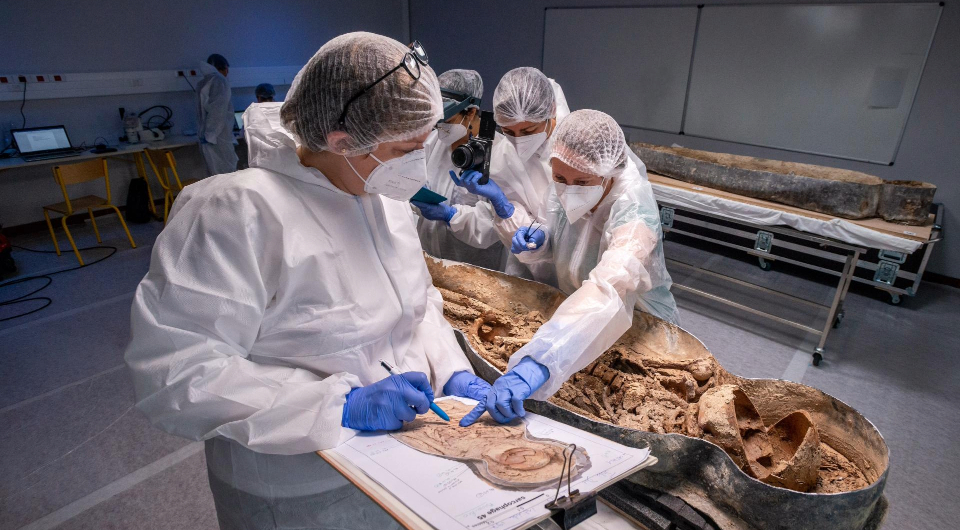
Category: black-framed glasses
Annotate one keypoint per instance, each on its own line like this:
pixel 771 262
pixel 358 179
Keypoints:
pixel 411 63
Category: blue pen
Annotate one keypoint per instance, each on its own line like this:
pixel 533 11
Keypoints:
pixel 433 406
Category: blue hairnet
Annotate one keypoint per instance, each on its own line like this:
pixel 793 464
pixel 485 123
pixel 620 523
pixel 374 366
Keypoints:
pixel 265 90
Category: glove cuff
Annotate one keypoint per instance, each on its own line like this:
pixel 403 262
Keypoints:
pixel 533 373
pixel 451 211
pixel 343 417
pixel 504 209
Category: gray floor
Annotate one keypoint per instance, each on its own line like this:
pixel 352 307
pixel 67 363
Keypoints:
pixel 75 454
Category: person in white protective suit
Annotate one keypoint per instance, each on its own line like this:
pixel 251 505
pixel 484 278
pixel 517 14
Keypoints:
pixel 457 229
pixel 602 246
pixel 216 116
pixel 528 106
pixel 273 293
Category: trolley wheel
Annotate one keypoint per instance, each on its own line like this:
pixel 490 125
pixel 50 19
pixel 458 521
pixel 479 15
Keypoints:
pixel 894 299
pixel 765 265
pixel 817 357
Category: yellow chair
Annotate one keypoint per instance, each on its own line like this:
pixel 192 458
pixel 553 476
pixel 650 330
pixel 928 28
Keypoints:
pixel 164 166
pixel 76 174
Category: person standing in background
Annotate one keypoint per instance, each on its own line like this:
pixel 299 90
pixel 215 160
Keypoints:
pixel 265 93
pixel 216 116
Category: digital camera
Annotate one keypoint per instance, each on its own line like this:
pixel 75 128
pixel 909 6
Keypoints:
pixel 476 153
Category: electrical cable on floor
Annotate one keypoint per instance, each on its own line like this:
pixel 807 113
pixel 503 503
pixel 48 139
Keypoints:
pixel 24 298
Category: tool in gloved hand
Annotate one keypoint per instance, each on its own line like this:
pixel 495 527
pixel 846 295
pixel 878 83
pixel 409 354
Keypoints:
pixel 386 404
pixel 527 238
pixel 433 406
pixel 531 235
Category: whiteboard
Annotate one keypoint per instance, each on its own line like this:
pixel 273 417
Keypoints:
pixel 631 63
pixel 835 80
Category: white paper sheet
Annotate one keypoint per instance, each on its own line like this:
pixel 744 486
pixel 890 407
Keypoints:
pixel 448 495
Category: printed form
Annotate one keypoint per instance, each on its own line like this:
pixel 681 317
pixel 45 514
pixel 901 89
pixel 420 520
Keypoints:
pixel 447 494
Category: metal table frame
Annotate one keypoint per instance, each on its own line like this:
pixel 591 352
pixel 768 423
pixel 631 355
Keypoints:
pixel 764 237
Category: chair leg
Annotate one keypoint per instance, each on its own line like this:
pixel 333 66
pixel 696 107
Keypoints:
pixel 53 236
pixel 124 224
pixel 63 221
pixel 93 221
pixel 143 174
pixel 167 200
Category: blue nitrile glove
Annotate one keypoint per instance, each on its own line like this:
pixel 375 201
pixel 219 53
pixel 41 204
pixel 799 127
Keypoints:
pixel 490 190
pixel 504 401
pixel 386 404
pixel 524 236
pixel 435 212
pixel 465 384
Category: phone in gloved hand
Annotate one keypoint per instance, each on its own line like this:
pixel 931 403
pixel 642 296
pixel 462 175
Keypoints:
pixel 428 196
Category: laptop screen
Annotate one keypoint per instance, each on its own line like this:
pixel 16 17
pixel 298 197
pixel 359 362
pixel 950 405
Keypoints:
pixel 41 139
pixel 238 115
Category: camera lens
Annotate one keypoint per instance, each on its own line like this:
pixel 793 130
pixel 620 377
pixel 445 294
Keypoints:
pixel 462 156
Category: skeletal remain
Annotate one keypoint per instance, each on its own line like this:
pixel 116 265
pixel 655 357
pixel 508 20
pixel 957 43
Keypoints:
pixel 633 385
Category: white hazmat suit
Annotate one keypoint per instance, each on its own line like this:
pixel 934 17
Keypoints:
pixel 610 261
pixel 216 121
pixel 525 182
pixel 270 295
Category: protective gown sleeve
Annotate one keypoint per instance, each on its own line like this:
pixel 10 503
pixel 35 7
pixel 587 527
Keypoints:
pixel 596 314
pixel 474 225
pixel 215 105
pixel 194 320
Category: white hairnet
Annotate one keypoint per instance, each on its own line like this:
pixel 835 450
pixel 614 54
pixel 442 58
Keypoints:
pixel 523 94
pixel 396 109
pixel 590 141
pixel 466 81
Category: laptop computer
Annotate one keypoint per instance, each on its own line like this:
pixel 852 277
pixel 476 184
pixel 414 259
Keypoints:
pixel 42 143
pixel 238 116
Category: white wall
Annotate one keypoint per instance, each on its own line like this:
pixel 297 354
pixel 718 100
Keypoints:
pixel 51 37
pixel 495 36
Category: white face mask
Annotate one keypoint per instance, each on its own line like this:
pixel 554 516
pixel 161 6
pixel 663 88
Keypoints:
pixel 527 145
pixel 398 178
pixel 578 200
pixel 447 133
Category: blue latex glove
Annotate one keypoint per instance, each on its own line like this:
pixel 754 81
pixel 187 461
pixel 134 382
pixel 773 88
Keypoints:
pixel 386 404
pixel 490 190
pixel 524 236
pixel 465 384
pixel 435 212
pixel 504 401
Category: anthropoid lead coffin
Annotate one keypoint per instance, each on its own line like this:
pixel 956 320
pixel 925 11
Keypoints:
pixel 750 453
pixel 831 191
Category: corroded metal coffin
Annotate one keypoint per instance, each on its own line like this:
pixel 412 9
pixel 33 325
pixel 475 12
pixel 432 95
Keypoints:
pixel 842 193
pixel 697 471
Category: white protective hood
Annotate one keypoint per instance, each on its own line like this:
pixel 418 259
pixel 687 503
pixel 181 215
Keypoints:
pixel 270 294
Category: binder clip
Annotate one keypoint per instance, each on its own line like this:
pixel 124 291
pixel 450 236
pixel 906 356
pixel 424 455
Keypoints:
pixel 574 508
